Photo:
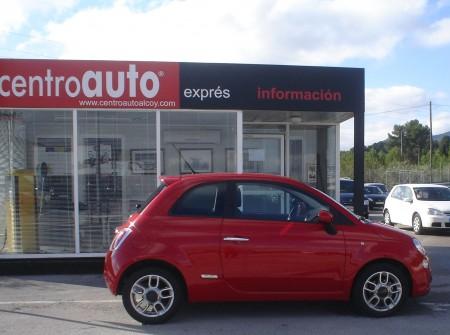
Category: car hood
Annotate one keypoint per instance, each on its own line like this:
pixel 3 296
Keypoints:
pixel 389 232
pixel 443 206
pixel 376 196
pixel 346 195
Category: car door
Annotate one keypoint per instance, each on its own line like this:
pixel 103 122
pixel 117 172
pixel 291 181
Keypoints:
pixel 407 206
pixel 270 242
pixel 395 203
pixel 195 223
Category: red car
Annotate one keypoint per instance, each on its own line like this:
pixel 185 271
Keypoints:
pixel 254 237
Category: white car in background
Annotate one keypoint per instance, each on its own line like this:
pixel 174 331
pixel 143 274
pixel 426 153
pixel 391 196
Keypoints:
pixel 419 206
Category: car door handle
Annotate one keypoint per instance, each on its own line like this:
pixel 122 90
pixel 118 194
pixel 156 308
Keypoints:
pixel 236 239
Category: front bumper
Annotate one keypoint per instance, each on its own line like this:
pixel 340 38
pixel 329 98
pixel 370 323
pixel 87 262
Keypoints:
pixel 436 221
pixel 422 278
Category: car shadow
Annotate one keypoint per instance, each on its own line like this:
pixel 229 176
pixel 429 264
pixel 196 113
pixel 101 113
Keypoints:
pixel 91 280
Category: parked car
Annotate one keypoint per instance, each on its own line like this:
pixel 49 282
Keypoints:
pixel 347 187
pixel 236 237
pixel 375 196
pixel 381 186
pixel 420 206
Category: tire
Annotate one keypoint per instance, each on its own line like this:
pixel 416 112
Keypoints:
pixel 417 224
pixel 380 290
pixel 387 218
pixel 152 295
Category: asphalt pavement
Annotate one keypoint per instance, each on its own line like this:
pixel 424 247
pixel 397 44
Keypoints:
pixel 81 304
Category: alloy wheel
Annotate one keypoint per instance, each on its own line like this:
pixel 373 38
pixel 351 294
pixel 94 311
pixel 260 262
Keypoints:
pixel 382 291
pixel 152 296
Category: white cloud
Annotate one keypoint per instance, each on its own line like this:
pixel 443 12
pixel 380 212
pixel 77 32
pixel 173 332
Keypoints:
pixel 386 107
pixel 441 121
pixel 262 31
pixel 14 14
pixel 437 34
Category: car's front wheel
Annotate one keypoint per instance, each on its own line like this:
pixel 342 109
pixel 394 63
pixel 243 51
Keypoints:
pixel 152 295
pixel 417 224
pixel 380 290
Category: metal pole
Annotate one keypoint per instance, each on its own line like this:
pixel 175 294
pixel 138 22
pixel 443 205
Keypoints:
pixel 401 144
pixel 431 146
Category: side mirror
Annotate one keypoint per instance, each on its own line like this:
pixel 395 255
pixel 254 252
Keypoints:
pixel 410 200
pixel 326 218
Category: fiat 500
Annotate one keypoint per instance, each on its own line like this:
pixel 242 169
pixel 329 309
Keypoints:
pixel 256 237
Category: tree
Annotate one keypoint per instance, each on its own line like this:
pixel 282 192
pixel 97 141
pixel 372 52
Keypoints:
pixel 393 157
pixel 373 159
pixel 412 139
pixel 444 145
pixel 347 163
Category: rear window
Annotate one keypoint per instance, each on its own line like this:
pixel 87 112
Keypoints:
pixel 204 200
pixel 150 198
pixel 346 186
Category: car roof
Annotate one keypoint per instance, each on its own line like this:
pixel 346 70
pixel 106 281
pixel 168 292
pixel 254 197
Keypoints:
pixel 373 184
pixel 422 185
pixel 226 176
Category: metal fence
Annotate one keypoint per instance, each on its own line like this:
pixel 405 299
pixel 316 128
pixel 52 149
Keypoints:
pixel 393 177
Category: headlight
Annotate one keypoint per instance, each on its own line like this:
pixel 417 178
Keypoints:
pixel 434 211
pixel 419 246
pixel 120 238
pixel 366 202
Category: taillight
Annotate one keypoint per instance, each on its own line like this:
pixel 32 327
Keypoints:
pixel 120 237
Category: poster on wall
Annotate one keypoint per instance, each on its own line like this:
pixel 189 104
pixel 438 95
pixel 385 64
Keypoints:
pixel 143 161
pixel 100 154
pixel 312 174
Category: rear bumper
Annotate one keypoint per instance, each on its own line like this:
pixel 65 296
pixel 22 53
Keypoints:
pixel 111 278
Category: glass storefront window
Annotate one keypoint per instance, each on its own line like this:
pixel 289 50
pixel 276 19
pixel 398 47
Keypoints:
pixel 205 140
pixel 312 156
pixel 117 170
pixel 117 167
pixel 36 205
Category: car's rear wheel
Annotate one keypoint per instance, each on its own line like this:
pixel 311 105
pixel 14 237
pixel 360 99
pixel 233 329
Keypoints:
pixel 152 295
pixel 387 218
pixel 417 224
pixel 380 290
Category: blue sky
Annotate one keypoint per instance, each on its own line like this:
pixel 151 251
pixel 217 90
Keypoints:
pixel 404 45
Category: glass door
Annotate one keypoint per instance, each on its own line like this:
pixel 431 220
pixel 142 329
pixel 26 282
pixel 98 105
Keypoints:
pixel 263 153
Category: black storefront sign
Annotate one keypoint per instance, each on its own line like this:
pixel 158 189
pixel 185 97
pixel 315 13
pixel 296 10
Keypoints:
pixel 270 87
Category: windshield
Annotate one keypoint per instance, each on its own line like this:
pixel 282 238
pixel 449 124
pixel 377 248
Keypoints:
pixel 346 186
pixel 372 190
pixel 382 187
pixel 432 193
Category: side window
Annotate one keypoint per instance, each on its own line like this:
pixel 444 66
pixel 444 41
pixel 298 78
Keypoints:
pixel 408 193
pixel 397 192
pixel 265 201
pixel 204 200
